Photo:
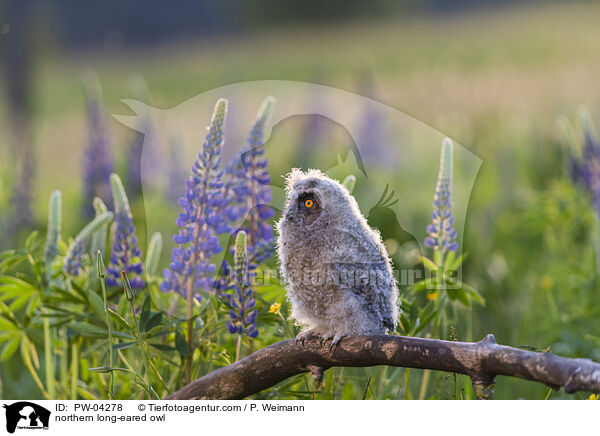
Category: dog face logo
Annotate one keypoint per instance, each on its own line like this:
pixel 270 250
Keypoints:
pixel 26 415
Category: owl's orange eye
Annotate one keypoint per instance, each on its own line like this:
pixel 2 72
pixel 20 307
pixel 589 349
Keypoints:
pixel 308 203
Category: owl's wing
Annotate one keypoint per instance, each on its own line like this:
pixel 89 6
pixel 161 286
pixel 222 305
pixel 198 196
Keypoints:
pixel 372 285
pixel 357 247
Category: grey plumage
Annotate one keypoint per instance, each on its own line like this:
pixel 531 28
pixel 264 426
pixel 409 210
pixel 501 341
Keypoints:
pixel 339 276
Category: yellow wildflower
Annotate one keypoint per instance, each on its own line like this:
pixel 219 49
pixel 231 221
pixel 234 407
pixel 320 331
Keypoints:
pixel 547 282
pixel 432 295
pixel 275 308
pixel 594 397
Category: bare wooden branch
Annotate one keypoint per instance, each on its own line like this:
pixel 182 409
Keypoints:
pixel 482 361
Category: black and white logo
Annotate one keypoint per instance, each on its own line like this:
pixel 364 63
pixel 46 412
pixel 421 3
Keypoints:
pixel 26 415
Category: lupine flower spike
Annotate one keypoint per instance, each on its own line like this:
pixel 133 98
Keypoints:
pixel 139 142
pixel 176 174
pixel 372 127
pixel 248 179
pixel 585 164
pixel 442 235
pixel 585 158
pixel 200 221
pixel 97 163
pixel 53 235
pixel 243 305
pixel 79 246
pixel 98 242
pixel 125 254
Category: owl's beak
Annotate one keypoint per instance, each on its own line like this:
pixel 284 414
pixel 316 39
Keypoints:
pixel 289 215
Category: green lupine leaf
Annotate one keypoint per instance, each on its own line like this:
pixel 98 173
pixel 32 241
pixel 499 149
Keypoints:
pixel 405 322
pixel 424 322
pixel 97 303
pixel 13 283
pixel 457 262
pixel 80 291
pixel 474 294
pixel 450 256
pixel 119 318
pixel 124 345
pixel 6 324
pixel 86 233
pixel 153 254
pixel 181 344
pixel 429 264
pixel 119 196
pixel 428 309
pixel 123 306
pixel 10 259
pixel 154 321
pixel 10 347
pixel 145 312
pixel 162 347
pixel 60 295
pixel 91 330
pixel 19 303
pixel 459 294
pixel 349 182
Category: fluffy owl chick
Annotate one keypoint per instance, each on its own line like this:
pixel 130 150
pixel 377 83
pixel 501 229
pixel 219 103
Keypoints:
pixel 339 275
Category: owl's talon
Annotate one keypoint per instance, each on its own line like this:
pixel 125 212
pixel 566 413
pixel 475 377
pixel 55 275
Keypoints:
pixel 303 336
pixel 334 342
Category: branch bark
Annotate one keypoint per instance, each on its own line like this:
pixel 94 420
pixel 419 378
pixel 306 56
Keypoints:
pixel 482 361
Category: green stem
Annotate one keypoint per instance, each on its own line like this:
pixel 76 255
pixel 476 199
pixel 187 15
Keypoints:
pixel 27 361
pixel 74 369
pixel 64 366
pixel 140 341
pixel 238 348
pixel 49 358
pixel 110 340
pixel 407 389
pixel 440 303
pixel 190 335
pixel 424 382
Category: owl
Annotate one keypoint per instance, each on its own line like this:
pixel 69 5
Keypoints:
pixel 339 276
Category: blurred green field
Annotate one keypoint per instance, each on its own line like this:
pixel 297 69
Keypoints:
pixel 495 81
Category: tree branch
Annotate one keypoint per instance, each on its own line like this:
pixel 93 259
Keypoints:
pixel 482 361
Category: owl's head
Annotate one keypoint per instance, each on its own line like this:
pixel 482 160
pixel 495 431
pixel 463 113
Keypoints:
pixel 315 201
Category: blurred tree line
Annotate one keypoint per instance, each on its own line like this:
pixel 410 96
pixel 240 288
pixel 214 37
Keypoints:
pixel 95 24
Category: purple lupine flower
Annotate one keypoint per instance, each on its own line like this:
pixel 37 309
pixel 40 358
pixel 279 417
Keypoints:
pixel 73 261
pixel 98 164
pixel 316 129
pixel 175 173
pixel 248 181
pixel 441 232
pixel 585 161
pixel 125 253
pixel 372 128
pixel 78 248
pixel 134 164
pixel 200 221
pixel 243 304
pixel 225 281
